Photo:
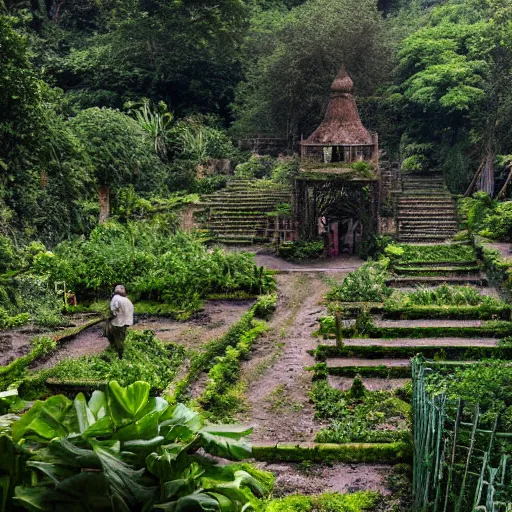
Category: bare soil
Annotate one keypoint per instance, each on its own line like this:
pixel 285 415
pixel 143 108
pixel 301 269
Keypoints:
pixel 15 343
pixel 214 321
pixel 318 479
pixel 278 405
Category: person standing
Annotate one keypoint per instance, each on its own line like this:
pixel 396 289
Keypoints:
pixel 121 317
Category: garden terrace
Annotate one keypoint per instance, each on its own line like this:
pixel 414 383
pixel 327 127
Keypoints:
pixel 239 214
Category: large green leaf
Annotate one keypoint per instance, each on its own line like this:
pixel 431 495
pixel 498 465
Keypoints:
pixel 232 431
pixel 196 502
pixel 84 415
pixel 179 414
pixel 45 420
pixel 145 428
pixel 126 403
pixel 125 486
pixel 226 447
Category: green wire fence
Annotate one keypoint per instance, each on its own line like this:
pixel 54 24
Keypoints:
pixel 460 465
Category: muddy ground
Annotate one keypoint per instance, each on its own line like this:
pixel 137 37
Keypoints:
pixel 215 319
pixel 278 385
pixel 15 343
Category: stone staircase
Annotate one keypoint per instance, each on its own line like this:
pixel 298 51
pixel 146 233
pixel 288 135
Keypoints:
pixel 426 210
pixel 383 359
pixel 238 214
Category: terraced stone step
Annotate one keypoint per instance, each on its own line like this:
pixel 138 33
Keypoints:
pixel 425 216
pixel 419 239
pixel 370 383
pixel 402 282
pixel 386 368
pixel 411 324
pixel 421 342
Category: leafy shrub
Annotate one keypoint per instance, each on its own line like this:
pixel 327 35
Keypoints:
pixel 301 250
pixel 487 383
pixel 285 170
pixel 9 322
pixel 366 284
pixel 265 306
pixel 256 167
pixel 123 450
pixel 144 358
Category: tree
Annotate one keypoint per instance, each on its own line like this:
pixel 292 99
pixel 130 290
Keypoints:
pixel 120 150
pixel 453 81
pixel 292 58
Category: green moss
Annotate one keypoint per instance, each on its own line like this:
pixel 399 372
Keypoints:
pixel 389 453
pixel 356 502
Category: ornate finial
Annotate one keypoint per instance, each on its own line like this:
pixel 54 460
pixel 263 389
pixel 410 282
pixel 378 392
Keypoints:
pixel 342 83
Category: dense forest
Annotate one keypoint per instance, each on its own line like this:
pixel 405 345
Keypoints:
pixel 129 98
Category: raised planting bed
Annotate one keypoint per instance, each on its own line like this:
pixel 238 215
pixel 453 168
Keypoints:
pixel 385 453
pixel 454 353
pixel 488 329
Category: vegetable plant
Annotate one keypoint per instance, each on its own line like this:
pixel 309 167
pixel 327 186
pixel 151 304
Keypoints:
pixel 122 450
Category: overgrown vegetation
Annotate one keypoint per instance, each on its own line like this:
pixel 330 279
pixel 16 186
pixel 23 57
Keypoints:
pixel 361 416
pixel 410 254
pixel 176 269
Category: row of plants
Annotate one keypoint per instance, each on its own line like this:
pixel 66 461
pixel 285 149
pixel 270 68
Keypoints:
pixel 361 416
pixel 223 395
pixel 365 327
pixel 243 332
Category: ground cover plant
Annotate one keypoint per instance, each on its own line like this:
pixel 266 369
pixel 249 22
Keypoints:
pixel 361 416
pixel 145 358
pixel 356 502
pixel 122 450
pixel 301 250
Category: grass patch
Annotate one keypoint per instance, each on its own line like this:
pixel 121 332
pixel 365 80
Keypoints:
pixel 356 502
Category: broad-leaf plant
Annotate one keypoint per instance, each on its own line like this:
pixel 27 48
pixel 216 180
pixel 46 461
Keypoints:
pixel 121 450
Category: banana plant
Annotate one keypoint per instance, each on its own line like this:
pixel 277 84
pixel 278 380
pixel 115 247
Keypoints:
pixel 123 450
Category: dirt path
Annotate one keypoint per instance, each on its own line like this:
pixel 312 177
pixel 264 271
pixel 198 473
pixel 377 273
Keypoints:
pixel 216 318
pixel 277 393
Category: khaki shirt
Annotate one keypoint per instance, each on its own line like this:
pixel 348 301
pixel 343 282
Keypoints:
pixel 122 310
